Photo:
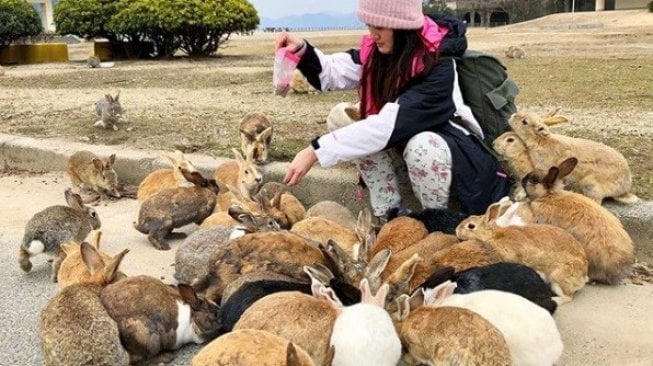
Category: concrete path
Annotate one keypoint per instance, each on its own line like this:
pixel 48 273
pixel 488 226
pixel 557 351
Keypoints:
pixel 602 326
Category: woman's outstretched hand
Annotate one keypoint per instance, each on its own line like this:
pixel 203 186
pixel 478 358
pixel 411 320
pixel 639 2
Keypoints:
pixel 285 39
pixel 301 164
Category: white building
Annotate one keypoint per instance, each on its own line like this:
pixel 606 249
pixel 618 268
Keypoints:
pixel 45 9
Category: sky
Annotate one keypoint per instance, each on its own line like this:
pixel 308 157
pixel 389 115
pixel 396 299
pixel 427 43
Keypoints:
pixel 281 8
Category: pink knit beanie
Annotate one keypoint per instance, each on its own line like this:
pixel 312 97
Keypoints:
pixel 395 14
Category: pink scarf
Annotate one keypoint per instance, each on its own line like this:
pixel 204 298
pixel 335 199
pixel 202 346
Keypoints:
pixel 432 34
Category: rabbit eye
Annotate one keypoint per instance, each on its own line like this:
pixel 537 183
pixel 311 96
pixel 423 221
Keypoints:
pixel 511 139
pixel 471 226
pixel 93 214
pixel 533 180
pixel 524 122
pixel 246 172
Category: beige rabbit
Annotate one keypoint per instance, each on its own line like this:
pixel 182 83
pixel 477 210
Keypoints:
pixel 281 252
pixel 255 137
pixel 333 211
pixel 515 52
pixel 73 269
pixel 302 319
pixel 601 172
pixel 161 179
pixel 251 347
pixel 554 253
pixel 299 84
pixel 608 246
pixel 342 114
pixel 440 335
pixel 74 327
pixel 241 174
pixel 84 167
pixel 514 155
pixel 398 234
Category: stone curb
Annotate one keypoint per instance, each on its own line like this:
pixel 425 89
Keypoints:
pixel 338 184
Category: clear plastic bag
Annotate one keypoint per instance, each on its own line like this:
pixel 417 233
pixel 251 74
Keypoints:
pixel 285 63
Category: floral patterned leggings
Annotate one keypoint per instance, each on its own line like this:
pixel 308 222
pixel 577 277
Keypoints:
pixel 426 162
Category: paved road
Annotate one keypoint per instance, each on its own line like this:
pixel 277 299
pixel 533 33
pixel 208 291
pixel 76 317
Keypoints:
pixel 602 326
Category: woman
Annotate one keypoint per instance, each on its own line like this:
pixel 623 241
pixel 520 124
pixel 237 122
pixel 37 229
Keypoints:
pixel 409 98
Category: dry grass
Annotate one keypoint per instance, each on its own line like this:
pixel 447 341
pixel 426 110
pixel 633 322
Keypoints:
pixel 600 78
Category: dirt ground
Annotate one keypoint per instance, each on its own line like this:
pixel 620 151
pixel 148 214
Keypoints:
pixel 597 67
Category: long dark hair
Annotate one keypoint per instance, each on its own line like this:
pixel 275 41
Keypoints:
pixel 385 76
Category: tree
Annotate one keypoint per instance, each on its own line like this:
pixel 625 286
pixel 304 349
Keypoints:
pixel 432 7
pixel 85 18
pixel 17 19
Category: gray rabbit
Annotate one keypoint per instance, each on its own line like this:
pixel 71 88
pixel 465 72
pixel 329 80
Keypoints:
pixel 109 110
pixel 55 225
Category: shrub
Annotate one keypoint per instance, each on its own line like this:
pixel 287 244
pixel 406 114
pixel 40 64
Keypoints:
pixel 197 27
pixel 17 19
pixel 85 18
pixel 650 7
pixel 436 7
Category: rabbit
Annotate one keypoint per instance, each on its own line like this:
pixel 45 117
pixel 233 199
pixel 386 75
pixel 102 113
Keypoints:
pixel 93 62
pixel 363 333
pixel 250 292
pixel 255 276
pixel 281 252
pixel 529 330
pixel 433 334
pixel 241 174
pixel 398 234
pixel 514 155
pixel 601 172
pixel 175 207
pixel 299 84
pixel 515 52
pixel 434 219
pixel 74 327
pixel 87 168
pixel 609 248
pixel 509 277
pixel 55 225
pixel 284 208
pixel 333 211
pixel 73 269
pixel 154 317
pixel 252 347
pixel 193 256
pixel 554 253
pixel 343 114
pixel 256 133
pixel 161 179
pixel 300 318
pixel 109 110
pixel 322 230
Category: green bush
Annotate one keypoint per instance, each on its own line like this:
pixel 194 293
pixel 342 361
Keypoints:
pixel 436 7
pixel 197 27
pixel 17 19
pixel 650 7
pixel 85 18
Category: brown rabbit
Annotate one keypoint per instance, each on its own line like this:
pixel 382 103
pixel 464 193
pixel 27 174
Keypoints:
pixel 251 347
pixel 601 172
pixel 441 335
pixel 154 317
pixel 84 167
pixel 514 156
pixel 281 252
pixel 515 52
pixel 175 207
pixel 608 246
pixel 255 136
pixel 73 269
pixel 554 253
pixel 297 317
pixel 74 327
pixel 161 179
pixel 284 208
pixel 398 234
pixel 55 225
pixel 333 211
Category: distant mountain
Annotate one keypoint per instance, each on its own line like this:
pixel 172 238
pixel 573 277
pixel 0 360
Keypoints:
pixel 313 20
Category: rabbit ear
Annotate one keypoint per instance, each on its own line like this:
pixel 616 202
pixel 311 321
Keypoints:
pixel 377 265
pixel 189 296
pixel 239 157
pixel 381 295
pixel 492 213
pixel 364 224
pixel 244 217
pixel 172 158
pixel 554 120
pixel 292 358
pixel 97 163
pixel 265 134
pixel 117 96
pixel 112 160
pixel 91 258
pixel 551 176
pixel 566 167
pixel 111 269
pixel 366 292
pixel 319 273
pixel 399 280
pixel 108 98
pixel 195 178
pixel 74 200
pixel 95 242
pixel 353 112
pixel 328 358
pixel 276 200
pixel 437 295
pixel 325 293
pixel 416 299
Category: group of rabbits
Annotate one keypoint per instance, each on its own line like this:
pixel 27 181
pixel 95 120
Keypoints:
pixel 266 281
